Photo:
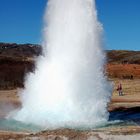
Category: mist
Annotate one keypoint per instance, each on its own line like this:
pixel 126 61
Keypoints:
pixel 69 87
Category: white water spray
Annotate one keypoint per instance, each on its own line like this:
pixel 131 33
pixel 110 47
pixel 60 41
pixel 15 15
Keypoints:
pixel 68 88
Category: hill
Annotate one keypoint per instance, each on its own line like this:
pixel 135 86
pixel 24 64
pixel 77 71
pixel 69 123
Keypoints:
pixel 16 60
pixel 123 57
pixel 19 50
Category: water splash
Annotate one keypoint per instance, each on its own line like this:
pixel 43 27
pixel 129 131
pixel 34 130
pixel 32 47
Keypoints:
pixel 68 87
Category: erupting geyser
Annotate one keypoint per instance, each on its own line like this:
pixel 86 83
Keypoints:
pixel 68 87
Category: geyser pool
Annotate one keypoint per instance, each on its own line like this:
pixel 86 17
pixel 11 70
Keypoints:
pixel 69 87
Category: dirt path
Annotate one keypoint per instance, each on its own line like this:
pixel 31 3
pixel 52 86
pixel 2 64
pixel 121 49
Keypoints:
pixel 131 94
pixel 9 99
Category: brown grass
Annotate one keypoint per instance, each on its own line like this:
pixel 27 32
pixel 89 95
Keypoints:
pixel 123 71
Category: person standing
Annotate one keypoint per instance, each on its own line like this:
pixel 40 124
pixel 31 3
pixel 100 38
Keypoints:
pixel 119 89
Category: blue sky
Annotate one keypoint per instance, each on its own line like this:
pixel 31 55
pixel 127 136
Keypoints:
pixel 21 22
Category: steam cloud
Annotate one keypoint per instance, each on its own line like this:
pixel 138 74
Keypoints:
pixel 68 88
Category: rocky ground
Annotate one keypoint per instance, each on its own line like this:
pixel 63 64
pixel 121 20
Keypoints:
pixel 9 100
pixel 120 133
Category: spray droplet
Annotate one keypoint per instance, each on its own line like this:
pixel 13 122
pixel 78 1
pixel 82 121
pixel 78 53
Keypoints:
pixel 68 88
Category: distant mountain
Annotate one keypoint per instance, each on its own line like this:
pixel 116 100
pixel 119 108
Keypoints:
pixel 16 60
pixel 20 50
pixel 123 56
pixel 30 50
